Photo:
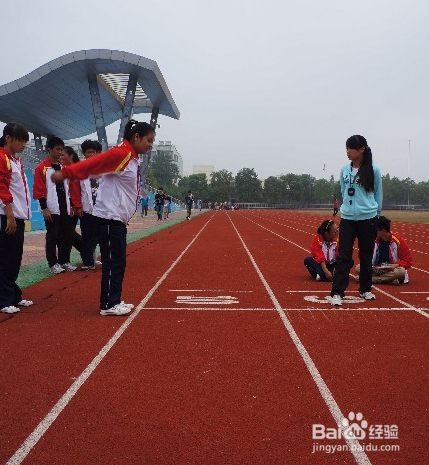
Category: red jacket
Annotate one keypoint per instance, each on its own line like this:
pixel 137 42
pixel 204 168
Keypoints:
pixel 118 190
pixel 398 252
pixel 322 251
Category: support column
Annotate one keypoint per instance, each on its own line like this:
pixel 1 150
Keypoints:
pixel 39 147
pixel 98 111
pixel 146 156
pixel 128 105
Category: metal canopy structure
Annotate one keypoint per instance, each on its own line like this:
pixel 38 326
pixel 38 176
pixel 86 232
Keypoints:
pixel 82 92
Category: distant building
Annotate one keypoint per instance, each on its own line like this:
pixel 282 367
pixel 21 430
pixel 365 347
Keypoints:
pixel 208 170
pixel 167 148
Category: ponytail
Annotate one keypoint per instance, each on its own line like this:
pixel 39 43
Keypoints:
pixel 134 127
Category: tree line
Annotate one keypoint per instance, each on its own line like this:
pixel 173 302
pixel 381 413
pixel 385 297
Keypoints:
pixel 288 189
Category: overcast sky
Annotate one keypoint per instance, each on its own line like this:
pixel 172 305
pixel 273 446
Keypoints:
pixel 274 85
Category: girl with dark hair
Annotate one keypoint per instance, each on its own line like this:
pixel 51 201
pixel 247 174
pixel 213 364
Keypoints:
pixel 324 251
pixel 14 210
pixel 362 193
pixel 117 199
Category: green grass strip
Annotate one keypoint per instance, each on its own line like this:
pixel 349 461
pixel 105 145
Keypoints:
pixel 38 271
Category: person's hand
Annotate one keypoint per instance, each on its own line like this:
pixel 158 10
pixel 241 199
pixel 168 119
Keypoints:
pixel 47 215
pixel 10 225
pixel 329 276
pixel 78 212
pixel 57 177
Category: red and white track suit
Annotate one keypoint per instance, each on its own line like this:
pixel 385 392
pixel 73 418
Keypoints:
pixel 399 253
pixel 118 190
pixel 14 186
pixel 44 188
pixel 323 252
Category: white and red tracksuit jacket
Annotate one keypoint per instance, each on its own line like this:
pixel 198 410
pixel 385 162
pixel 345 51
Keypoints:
pixel 14 186
pixel 44 188
pixel 322 251
pixel 118 190
pixel 399 253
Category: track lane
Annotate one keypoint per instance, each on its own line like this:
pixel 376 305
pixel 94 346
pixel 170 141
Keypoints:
pixel 196 386
pixel 375 361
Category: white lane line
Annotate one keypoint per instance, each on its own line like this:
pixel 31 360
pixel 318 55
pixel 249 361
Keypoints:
pixel 217 309
pixel 202 290
pixel 45 424
pixel 420 312
pixel 354 445
pixel 309 309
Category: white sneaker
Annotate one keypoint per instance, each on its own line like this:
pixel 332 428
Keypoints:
pixel 56 269
pixel 130 306
pixel 367 295
pixel 336 300
pixel 318 278
pixel 118 310
pixel 69 267
pixel 10 309
pixel 25 303
pixel 97 262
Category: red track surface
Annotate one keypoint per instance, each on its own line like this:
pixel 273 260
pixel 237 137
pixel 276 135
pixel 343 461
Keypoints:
pixel 196 378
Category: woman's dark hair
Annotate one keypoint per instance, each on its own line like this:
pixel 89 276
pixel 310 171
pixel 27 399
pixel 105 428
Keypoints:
pixel 88 144
pixel 14 131
pixel 325 227
pixel 366 171
pixel 134 127
pixel 70 151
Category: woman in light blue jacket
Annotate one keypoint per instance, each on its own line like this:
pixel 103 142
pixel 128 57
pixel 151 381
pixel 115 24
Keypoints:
pixel 361 188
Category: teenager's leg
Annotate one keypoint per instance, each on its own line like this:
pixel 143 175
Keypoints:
pixel 52 228
pixel 314 268
pixel 112 237
pixel 366 233
pixel 345 259
pixel 88 226
pixel 11 246
pixel 67 232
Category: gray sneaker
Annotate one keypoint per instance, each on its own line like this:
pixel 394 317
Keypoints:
pixel 336 300
pixel 367 295
pixel 56 269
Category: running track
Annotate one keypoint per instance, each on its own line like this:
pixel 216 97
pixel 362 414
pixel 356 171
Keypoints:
pixel 231 357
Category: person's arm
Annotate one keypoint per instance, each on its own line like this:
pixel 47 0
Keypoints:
pixel 378 190
pixel 404 255
pixel 40 192
pixel 114 160
pixel 6 197
pixel 316 250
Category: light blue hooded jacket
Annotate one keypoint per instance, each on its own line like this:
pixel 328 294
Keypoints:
pixel 362 205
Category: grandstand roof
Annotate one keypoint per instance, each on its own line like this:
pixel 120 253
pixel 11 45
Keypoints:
pixel 55 98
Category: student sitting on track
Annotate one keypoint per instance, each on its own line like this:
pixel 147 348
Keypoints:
pixel 324 250
pixel 391 258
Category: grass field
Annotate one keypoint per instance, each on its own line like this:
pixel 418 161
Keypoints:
pixel 406 216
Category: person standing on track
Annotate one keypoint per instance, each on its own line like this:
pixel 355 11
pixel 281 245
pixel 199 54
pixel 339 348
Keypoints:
pixel 336 204
pixel 54 202
pixel 15 208
pixel 324 251
pixel 189 201
pixel 117 200
pixel 361 189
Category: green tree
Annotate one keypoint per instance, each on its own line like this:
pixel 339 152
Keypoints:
pixel 274 190
pixel 197 183
pixel 323 191
pixel 247 185
pixel 222 185
pixel 164 169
